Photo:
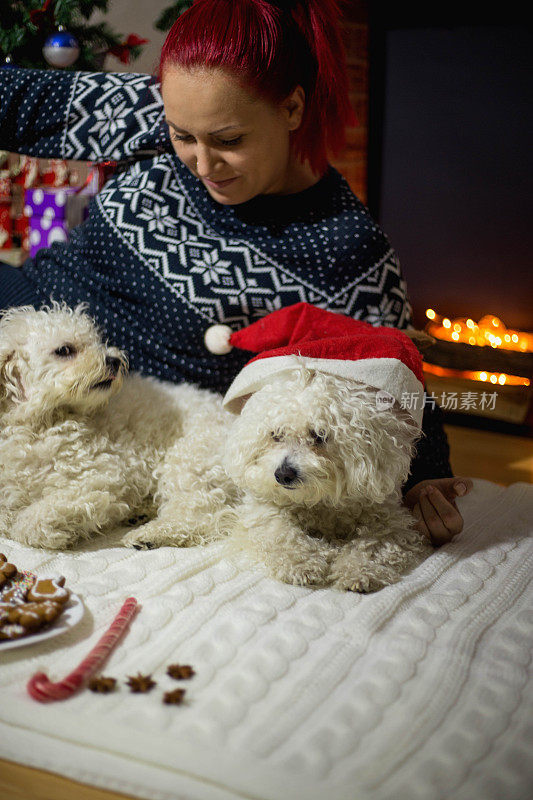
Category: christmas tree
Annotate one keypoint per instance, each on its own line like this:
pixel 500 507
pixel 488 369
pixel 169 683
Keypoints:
pixel 29 26
pixel 169 15
pixel 43 34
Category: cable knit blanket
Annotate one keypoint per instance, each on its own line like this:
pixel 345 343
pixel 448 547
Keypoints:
pixel 420 691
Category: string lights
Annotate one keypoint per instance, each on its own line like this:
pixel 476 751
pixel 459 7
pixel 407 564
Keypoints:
pixel 490 331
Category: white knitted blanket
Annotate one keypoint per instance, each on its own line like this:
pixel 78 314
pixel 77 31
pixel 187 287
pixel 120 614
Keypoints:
pixel 420 691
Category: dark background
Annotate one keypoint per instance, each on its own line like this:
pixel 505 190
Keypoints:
pixel 450 158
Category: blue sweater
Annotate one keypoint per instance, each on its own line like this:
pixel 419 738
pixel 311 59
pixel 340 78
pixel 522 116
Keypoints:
pixel 158 260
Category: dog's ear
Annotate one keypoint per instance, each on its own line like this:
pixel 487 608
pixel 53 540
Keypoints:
pixel 6 357
pixel 10 379
pixel 12 333
pixel 420 339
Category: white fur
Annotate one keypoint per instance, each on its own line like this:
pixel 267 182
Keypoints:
pixel 76 459
pixel 341 521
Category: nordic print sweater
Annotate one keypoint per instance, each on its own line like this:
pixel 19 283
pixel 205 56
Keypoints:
pixel 158 260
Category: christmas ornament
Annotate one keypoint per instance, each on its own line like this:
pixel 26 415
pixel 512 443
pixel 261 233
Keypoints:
pixel 38 15
pixel 123 51
pixel 61 49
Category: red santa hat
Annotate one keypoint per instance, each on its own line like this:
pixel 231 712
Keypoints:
pixel 383 358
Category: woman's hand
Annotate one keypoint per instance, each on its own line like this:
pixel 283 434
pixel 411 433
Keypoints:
pixel 432 502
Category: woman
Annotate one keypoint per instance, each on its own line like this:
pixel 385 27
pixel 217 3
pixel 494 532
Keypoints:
pixel 223 206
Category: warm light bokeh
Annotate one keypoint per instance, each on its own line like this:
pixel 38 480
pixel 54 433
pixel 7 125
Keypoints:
pixel 489 331
pixel 485 377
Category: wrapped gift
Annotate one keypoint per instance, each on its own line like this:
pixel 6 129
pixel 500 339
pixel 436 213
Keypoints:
pixel 5 186
pixel 26 172
pixel 98 176
pixel 55 173
pixel 21 232
pixel 5 210
pixel 5 225
pixel 47 212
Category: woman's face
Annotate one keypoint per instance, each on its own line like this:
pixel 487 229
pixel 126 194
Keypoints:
pixel 235 142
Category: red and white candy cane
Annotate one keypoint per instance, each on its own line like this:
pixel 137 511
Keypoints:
pixel 43 690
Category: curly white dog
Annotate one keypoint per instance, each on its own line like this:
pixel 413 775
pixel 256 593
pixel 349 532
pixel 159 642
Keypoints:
pixel 321 466
pixel 83 447
pixel 323 445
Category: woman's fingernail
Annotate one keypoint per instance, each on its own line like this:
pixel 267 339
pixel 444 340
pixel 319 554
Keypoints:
pixel 430 489
pixel 460 489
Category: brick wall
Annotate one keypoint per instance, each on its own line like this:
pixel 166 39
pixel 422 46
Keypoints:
pixel 352 161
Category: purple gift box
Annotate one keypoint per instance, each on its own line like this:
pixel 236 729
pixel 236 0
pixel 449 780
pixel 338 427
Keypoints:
pixel 50 203
pixel 52 213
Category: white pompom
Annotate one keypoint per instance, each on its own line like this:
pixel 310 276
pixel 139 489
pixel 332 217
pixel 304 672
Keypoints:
pixel 216 339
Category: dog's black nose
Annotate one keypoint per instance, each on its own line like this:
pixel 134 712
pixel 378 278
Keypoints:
pixel 286 475
pixel 113 364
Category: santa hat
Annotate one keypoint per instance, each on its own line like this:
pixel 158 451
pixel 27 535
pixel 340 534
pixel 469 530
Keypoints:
pixel 383 358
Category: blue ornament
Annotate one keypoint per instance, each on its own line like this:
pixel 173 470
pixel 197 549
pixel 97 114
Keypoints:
pixel 61 49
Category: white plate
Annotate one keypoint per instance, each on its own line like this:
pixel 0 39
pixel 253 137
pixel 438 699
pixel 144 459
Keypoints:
pixel 71 615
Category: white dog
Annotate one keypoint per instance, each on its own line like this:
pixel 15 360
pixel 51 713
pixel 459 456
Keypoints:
pixel 321 467
pixel 84 448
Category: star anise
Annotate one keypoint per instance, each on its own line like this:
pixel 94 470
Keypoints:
pixel 140 683
pixel 102 685
pixel 175 697
pixel 180 671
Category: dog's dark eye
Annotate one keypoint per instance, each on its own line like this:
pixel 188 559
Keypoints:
pixel 65 351
pixel 276 436
pixel 318 437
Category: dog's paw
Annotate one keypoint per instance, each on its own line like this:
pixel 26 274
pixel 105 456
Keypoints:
pixel 354 571
pixel 361 578
pixel 138 540
pixel 299 575
pixel 154 534
pixel 43 536
pixel 362 584
pixel 144 546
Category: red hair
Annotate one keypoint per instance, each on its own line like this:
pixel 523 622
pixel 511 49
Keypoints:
pixel 273 46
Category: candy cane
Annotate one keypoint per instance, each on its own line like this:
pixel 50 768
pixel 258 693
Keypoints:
pixel 41 688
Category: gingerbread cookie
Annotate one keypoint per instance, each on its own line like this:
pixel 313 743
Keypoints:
pixel 49 589
pixel 30 615
pixel 27 603
pixel 7 570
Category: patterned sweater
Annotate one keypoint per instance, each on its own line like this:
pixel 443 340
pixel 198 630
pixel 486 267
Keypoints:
pixel 158 260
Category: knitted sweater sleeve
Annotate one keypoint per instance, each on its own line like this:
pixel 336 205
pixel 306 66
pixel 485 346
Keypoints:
pixel 81 115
